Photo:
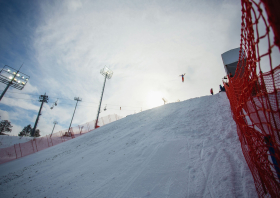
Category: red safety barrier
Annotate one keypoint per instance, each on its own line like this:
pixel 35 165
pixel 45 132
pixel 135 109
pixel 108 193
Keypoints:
pixel 255 96
pixel 41 143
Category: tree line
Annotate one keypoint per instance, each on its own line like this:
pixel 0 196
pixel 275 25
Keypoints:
pixel 6 127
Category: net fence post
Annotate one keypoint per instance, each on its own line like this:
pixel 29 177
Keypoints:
pixel 51 140
pixel 20 149
pixel 48 141
pixel 15 150
pixel 33 146
pixel 36 144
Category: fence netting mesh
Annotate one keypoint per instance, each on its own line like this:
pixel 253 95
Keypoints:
pixel 41 143
pixel 254 97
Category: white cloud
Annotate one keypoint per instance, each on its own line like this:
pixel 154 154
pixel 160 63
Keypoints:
pixel 4 115
pixel 22 103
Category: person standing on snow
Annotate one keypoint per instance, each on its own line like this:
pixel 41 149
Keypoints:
pixel 222 88
pixel 211 91
pixel 182 77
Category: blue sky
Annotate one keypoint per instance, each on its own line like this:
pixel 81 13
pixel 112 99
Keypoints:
pixel 147 44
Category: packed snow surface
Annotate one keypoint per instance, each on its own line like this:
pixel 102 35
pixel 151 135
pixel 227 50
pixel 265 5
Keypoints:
pixel 6 140
pixel 184 149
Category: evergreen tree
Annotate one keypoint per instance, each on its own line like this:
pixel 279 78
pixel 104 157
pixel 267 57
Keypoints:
pixel 26 131
pixel 5 126
pixel 37 133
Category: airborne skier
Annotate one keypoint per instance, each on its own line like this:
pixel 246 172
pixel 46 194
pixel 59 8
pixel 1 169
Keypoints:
pixel 182 77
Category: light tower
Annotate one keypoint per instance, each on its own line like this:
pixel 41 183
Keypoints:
pixel 78 99
pixel 13 78
pixel 42 99
pixel 107 73
pixel 54 122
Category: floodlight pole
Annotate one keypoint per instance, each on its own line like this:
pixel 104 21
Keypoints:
pixel 100 102
pixel 55 122
pixel 42 99
pixel 8 85
pixel 78 99
pixel 108 74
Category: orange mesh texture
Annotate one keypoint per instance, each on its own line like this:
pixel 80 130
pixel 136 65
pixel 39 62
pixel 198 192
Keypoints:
pixel 254 96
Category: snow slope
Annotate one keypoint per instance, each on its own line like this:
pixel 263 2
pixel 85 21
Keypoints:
pixel 185 149
pixel 6 140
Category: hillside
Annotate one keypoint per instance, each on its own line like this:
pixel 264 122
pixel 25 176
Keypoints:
pixel 184 149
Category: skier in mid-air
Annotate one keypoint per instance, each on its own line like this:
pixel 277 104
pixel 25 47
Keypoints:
pixel 182 77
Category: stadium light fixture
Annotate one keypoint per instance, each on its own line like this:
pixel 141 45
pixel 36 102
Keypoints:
pixel 12 78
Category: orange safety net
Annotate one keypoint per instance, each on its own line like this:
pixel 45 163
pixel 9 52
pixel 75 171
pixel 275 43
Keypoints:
pixel 254 96
pixel 41 143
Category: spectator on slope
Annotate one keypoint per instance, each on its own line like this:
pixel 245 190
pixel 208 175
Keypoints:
pixel 182 77
pixel 222 88
pixel 211 91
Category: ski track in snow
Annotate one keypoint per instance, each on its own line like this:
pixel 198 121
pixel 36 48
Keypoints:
pixel 185 149
pixel 136 175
